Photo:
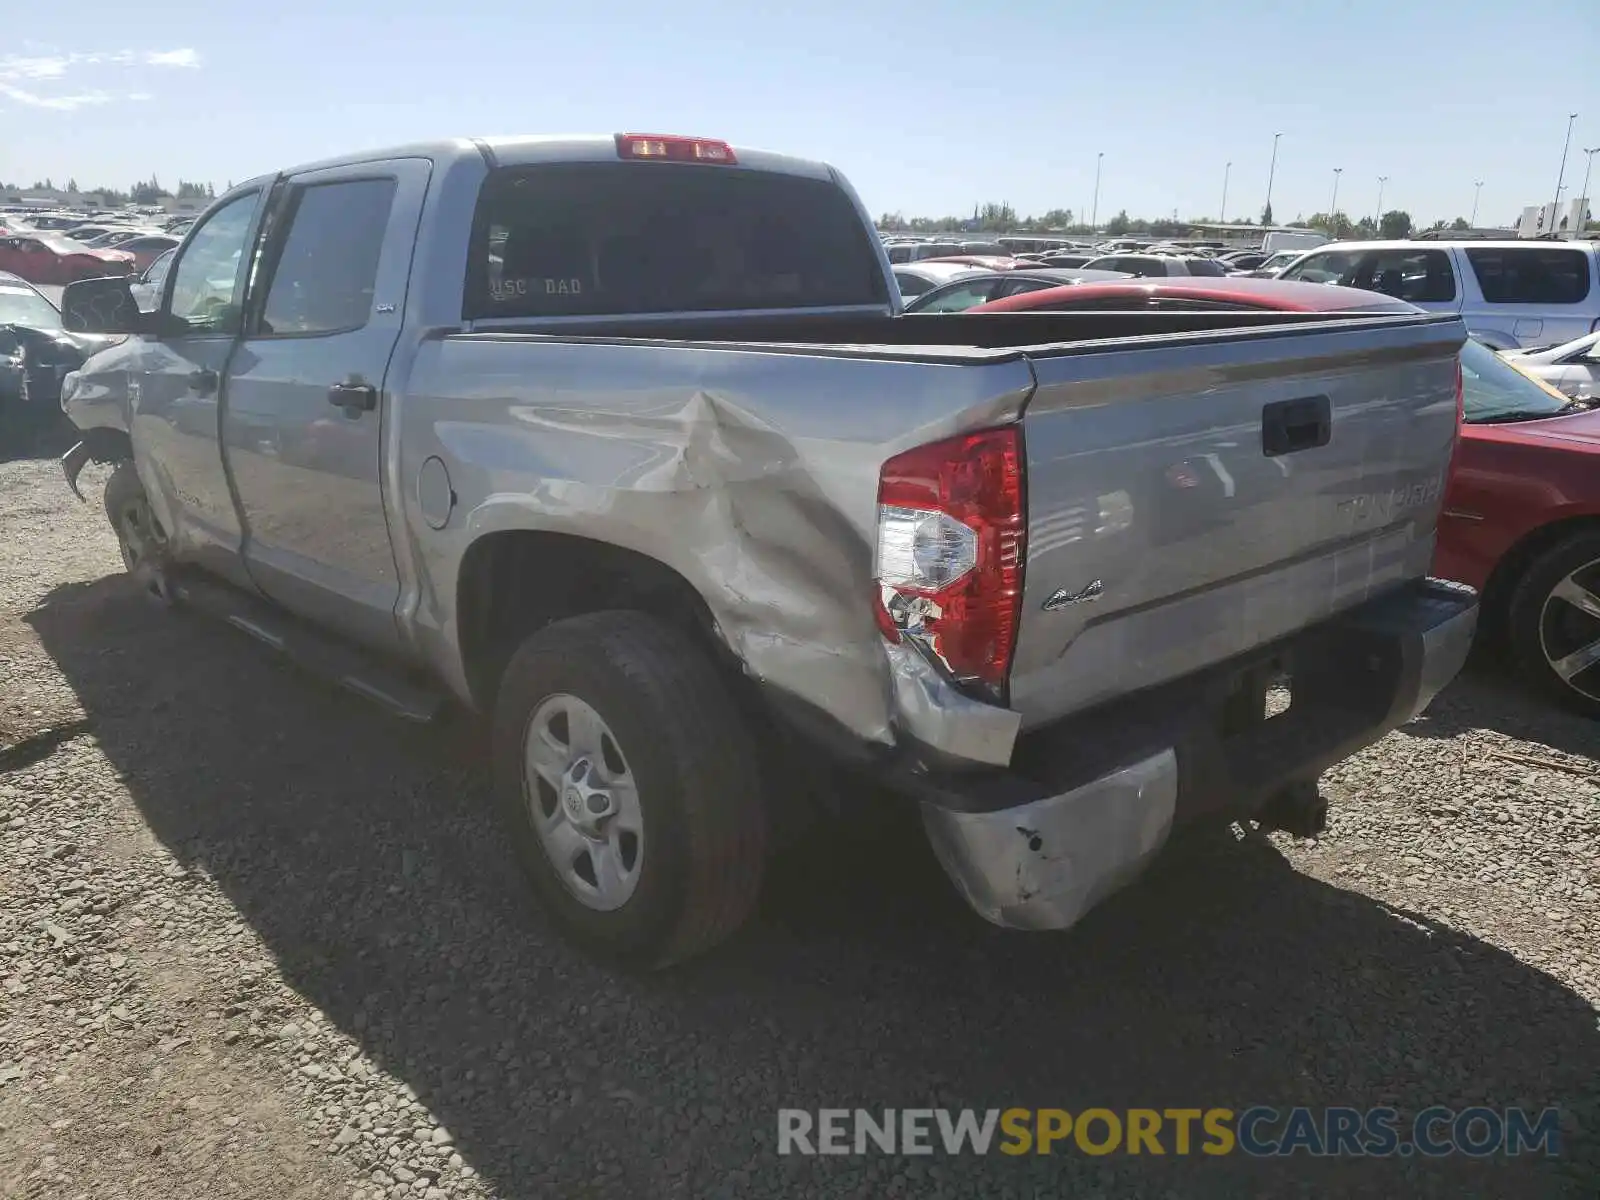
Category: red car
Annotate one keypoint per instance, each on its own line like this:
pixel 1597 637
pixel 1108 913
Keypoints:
pixel 1199 293
pixel 1521 523
pixel 41 257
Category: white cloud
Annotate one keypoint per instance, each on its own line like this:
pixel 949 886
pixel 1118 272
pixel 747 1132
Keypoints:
pixel 47 65
pixel 185 57
pixel 57 103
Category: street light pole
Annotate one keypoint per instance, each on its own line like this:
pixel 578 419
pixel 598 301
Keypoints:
pixel 1222 217
pixel 1583 217
pixel 1377 217
pixel 1477 190
pixel 1333 205
pixel 1561 178
pixel 1273 169
pixel 1094 210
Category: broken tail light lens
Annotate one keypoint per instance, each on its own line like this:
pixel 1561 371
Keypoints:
pixel 949 554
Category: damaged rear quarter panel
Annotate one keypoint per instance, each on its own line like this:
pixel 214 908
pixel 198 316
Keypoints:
pixel 750 472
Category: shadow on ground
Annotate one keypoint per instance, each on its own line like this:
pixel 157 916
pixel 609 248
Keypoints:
pixel 1490 694
pixel 365 857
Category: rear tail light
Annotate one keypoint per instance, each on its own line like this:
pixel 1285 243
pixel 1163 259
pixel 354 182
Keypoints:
pixel 949 554
pixel 673 149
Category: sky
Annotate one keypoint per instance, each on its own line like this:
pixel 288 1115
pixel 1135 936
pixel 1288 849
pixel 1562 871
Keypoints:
pixel 928 108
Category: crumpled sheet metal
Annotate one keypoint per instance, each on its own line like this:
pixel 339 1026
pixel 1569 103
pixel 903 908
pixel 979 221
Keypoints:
pixel 753 474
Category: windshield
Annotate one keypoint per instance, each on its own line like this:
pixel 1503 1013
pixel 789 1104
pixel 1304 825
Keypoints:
pixel 24 306
pixel 1494 390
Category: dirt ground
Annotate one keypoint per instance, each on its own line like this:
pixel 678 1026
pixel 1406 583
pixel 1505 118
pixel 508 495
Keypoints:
pixel 258 939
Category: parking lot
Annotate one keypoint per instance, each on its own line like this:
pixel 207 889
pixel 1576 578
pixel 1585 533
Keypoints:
pixel 259 939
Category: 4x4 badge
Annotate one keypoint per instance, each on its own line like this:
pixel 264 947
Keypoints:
pixel 1060 598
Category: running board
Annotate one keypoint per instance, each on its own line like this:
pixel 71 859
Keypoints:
pixel 316 652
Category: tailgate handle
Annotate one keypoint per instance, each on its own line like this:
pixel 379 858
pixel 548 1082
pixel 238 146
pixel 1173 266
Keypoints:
pixel 1288 426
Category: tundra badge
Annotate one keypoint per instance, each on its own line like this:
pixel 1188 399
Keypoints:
pixel 1060 598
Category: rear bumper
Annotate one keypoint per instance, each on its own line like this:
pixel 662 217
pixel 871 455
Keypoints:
pixel 1088 802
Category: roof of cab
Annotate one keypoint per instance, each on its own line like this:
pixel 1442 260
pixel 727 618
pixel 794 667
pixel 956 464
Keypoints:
pixel 528 149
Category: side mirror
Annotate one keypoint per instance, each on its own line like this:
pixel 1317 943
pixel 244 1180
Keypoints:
pixel 103 305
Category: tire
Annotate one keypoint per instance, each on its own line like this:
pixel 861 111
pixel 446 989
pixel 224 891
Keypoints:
pixel 699 858
pixel 140 538
pixel 1544 628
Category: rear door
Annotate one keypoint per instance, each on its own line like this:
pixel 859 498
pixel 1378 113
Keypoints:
pixel 303 418
pixel 1194 499
pixel 1534 294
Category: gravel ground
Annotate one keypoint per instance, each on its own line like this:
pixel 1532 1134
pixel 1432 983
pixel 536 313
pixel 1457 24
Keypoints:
pixel 257 939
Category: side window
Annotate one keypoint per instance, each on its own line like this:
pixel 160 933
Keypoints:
pixel 1535 275
pixel 156 274
pixel 1332 267
pixel 1416 276
pixel 911 285
pixel 327 270
pixel 962 298
pixel 1206 266
pixel 207 286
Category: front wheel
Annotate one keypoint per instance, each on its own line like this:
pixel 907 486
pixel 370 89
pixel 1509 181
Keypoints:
pixel 629 782
pixel 140 538
pixel 1554 622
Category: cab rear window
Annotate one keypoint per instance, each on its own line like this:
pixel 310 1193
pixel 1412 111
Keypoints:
pixel 599 239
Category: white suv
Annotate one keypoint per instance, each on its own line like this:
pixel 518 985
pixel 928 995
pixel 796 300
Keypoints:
pixel 1510 294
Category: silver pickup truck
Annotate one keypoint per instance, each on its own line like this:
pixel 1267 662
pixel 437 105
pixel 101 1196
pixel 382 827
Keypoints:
pixel 626 443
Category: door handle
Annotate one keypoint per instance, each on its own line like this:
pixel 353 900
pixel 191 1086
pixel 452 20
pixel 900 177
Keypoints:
pixel 1288 426
pixel 361 396
pixel 203 381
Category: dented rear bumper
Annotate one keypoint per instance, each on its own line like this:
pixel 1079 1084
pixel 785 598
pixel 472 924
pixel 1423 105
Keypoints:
pixel 1087 803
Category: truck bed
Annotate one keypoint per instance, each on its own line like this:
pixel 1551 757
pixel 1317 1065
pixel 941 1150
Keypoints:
pixel 745 453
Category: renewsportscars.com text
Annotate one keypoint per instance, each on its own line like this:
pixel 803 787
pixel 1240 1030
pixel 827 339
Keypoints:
pixel 1257 1131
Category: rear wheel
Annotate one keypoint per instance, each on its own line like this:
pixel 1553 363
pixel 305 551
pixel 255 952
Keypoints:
pixel 1554 622
pixel 629 782
pixel 139 534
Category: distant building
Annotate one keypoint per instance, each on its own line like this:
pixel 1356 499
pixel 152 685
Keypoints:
pixel 1565 220
pixel 54 198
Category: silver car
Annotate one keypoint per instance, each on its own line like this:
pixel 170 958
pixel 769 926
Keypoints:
pixel 1572 368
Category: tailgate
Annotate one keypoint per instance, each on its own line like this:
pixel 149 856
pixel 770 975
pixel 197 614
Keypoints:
pixel 1199 495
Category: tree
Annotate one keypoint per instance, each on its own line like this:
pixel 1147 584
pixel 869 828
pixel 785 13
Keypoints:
pixel 1460 223
pixel 72 187
pixel 1266 214
pixel 1396 223
pixel 1119 224
pixel 1056 218
pixel 995 217
pixel 148 192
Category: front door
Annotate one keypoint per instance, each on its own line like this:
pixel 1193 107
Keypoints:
pixel 176 387
pixel 303 419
